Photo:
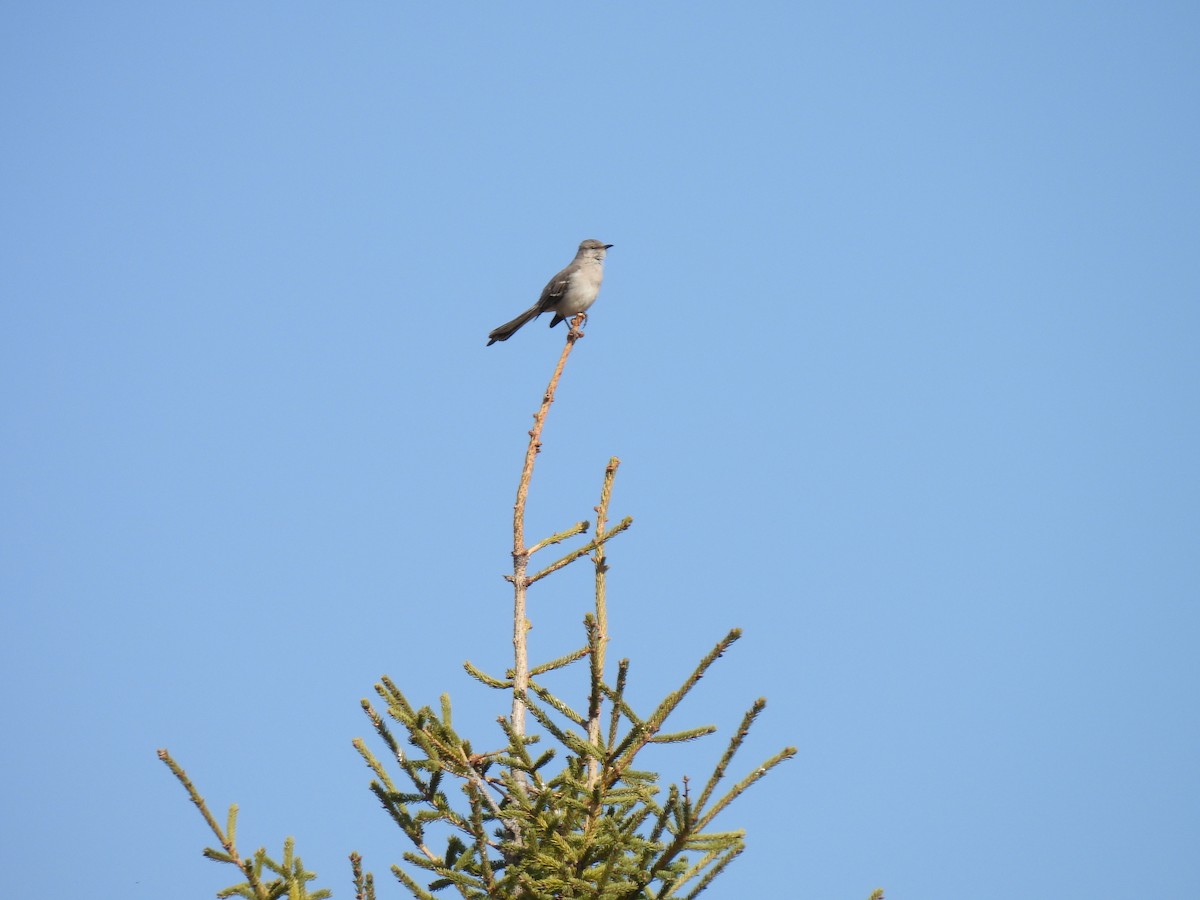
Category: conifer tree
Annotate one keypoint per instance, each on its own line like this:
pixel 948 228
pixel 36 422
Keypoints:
pixel 557 811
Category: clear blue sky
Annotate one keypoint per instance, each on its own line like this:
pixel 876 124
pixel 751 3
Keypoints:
pixel 898 347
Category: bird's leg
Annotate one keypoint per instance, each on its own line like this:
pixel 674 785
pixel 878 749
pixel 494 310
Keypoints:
pixel 577 324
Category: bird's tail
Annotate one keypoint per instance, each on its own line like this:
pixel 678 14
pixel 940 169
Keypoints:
pixel 508 329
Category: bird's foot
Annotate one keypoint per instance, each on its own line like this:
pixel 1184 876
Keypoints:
pixel 577 324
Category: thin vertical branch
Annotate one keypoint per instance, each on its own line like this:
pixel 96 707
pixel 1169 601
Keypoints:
pixel 600 644
pixel 520 551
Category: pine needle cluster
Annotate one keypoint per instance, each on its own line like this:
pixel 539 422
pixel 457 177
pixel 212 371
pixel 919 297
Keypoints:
pixel 592 825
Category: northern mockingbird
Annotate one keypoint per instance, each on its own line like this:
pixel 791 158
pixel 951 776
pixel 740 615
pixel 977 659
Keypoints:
pixel 571 291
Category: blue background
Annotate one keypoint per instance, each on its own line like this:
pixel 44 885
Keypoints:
pixel 897 345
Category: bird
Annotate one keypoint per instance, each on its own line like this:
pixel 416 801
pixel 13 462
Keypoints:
pixel 571 291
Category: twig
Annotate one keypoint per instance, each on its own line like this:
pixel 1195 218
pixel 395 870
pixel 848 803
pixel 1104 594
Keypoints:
pixel 226 837
pixel 580 552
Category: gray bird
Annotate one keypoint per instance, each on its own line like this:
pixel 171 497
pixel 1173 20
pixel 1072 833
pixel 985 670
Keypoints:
pixel 571 291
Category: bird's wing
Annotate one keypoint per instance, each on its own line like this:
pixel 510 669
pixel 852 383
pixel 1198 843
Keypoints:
pixel 554 291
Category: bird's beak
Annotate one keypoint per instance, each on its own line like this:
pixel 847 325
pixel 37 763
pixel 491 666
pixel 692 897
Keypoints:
pixel 607 246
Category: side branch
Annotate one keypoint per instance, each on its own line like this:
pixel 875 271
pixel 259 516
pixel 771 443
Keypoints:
pixel 194 796
pixel 581 551
pixel 250 867
pixel 577 528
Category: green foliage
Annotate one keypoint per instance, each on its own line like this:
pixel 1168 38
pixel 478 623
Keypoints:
pixel 364 884
pixel 512 824
pixel 291 881
pixel 291 878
